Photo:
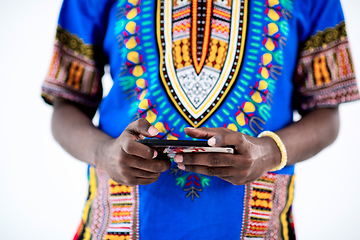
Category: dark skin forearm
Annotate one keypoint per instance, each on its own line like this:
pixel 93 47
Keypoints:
pixel 314 132
pixel 73 130
pixel 123 159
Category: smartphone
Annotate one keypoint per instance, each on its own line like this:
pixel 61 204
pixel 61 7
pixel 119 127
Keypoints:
pixel 172 147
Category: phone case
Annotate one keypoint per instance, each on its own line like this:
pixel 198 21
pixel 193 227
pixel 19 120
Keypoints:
pixel 172 147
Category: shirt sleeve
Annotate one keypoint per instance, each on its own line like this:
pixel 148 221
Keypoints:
pixel 325 74
pixel 78 64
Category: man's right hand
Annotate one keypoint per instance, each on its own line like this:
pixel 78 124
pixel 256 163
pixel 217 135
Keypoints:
pixel 128 162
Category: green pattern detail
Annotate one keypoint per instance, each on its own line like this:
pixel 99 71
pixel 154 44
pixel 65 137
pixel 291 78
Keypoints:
pixel 127 82
pixel 244 82
pixel 257 9
pixel 258 3
pixel 226 112
pixel 247 131
pixel 252 57
pixel 234 100
pixel 146 16
pixel 279 57
pixel 287 4
pixel 271 84
pixel 255 45
pixel 146 23
pixel 162 105
pixel 247 76
pixel 230 106
pixel 205 181
pixel 256 38
pixel 182 180
pixel 172 116
pixel 264 111
pixel 256 31
pixel 249 70
pixel 160 99
pixel 176 122
pixel 284 27
pixel 156 93
pixel 153 86
pixel 214 123
pixel 166 111
pixel 182 127
pixel 146 9
pixel 258 16
pixel 241 89
pixel 237 94
pixel 220 118
pixel 267 19
pixel 256 23
pixel 253 51
pixel 120 3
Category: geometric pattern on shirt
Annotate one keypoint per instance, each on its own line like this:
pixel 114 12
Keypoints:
pixel 265 203
pixel 325 74
pixel 73 74
pixel 200 53
pixel 112 210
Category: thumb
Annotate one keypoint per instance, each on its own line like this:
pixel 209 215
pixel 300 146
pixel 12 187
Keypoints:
pixel 141 128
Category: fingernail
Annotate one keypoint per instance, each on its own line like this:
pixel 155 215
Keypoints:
pixel 212 141
pixel 155 154
pixel 153 131
pixel 178 158
pixel 190 128
pixel 181 166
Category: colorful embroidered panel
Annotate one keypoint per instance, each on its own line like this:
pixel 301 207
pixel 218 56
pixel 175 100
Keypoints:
pixel 267 202
pixel 73 73
pixel 199 64
pixel 111 211
pixel 325 73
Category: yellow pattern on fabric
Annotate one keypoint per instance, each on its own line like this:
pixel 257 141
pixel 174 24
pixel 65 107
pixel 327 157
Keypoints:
pixel 92 183
pixel 286 209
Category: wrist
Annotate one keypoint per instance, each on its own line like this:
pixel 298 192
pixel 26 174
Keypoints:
pixel 274 153
pixel 281 149
pixel 101 150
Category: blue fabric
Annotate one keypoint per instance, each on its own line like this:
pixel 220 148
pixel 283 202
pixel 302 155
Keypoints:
pixel 167 207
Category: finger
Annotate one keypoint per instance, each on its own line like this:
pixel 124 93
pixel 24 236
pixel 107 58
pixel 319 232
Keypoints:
pixel 230 138
pixel 208 159
pixel 138 173
pixel 134 148
pixel 140 128
pixel 203 133
pixel 150 165
pixel 222 172
pixel 219 137
pixel 145 181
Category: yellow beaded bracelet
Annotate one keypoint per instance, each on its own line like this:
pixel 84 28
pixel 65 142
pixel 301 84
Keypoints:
pixel 281 146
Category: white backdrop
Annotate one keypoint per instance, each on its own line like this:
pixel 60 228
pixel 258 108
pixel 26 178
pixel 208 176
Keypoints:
pixel 43 189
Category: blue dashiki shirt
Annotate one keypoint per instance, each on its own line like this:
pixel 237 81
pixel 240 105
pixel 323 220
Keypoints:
pixel 245 65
